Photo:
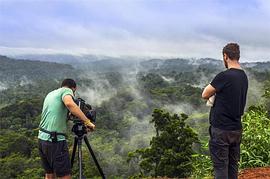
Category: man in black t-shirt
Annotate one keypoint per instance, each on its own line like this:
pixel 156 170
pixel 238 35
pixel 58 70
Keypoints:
pixel 230 90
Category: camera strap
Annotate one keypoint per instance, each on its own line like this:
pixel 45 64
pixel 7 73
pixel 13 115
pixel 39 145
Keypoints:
pixel 53 135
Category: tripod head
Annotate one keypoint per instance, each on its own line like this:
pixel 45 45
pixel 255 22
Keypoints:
pixel 79 129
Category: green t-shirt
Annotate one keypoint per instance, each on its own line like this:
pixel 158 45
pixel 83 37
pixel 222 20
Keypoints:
pixel 54 114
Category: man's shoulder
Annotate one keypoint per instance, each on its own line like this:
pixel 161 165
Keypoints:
pixel 235 72
pixel 53 92
pixel 229 72
pixel 64 90
pixel 61 91
pixel 221 74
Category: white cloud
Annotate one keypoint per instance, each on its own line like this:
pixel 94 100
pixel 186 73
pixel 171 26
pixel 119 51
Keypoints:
pixel 139 28
pixel 264 6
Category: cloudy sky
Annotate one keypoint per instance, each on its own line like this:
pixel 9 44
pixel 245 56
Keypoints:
pixel 155 28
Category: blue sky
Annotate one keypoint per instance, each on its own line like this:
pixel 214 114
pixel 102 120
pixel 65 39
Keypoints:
pixel 152 28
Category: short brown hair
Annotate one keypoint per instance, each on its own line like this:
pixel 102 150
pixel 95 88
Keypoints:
pixel 69 83
pixel 232 50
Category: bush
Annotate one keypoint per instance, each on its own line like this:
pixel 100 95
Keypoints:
pixel 255 142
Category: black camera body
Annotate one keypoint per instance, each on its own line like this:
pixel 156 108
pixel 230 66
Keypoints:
pixel 79 128
pixel 86 109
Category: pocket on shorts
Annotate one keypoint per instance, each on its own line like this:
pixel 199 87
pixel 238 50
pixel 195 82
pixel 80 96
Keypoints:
pixel 63 150
pixel 62 161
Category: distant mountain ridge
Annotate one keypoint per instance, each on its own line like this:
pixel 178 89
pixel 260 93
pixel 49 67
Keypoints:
pixel 64 58
pixel 24 71
pixel 191 65
pixel 14 70
pixel 102 62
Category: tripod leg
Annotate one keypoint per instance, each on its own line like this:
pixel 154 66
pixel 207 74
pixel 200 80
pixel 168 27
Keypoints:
pixel 94 157
pixel 74 151
pixel 80 157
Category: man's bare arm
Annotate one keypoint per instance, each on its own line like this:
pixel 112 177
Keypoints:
pixel 208 91
pixel 75 110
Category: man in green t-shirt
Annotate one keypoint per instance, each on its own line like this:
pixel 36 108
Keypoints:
pixel 52 142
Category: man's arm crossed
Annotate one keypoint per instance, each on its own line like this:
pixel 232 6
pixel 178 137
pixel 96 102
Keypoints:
pixel 208 91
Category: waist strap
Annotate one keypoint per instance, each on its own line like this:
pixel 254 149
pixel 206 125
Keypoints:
pixel 53 135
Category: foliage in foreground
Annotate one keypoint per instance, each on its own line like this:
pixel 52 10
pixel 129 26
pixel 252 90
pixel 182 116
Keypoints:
pixel 254 147
pixel 170 152
pixel 202 165
pixel 255 143
pixel 255 140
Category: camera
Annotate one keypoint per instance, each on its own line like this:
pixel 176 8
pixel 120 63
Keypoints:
pixel 86 109
pixel 79 128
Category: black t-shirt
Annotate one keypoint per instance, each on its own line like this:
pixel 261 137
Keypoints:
pixel 231 91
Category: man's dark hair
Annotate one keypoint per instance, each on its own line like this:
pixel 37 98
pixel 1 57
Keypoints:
pixel 232 50
pixel 69 83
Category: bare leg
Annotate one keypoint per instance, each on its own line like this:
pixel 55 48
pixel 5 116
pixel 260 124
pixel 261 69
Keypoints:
pixel 50 176
pixel 66 177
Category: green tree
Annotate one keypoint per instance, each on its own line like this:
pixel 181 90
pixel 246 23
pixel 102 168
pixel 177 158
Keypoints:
pixel 170 152
pixel 152 80
pixel 9 142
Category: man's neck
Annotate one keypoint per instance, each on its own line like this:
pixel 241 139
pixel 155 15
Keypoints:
pixel 234 64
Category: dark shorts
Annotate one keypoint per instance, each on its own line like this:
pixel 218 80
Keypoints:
pixel 55 157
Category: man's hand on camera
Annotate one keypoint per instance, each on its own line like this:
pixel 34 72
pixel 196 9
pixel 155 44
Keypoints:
pixel 89 125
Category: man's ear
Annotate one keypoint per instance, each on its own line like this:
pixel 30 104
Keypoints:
pixel 225 56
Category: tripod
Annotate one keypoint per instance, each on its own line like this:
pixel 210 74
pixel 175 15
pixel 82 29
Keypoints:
pixel 80 130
